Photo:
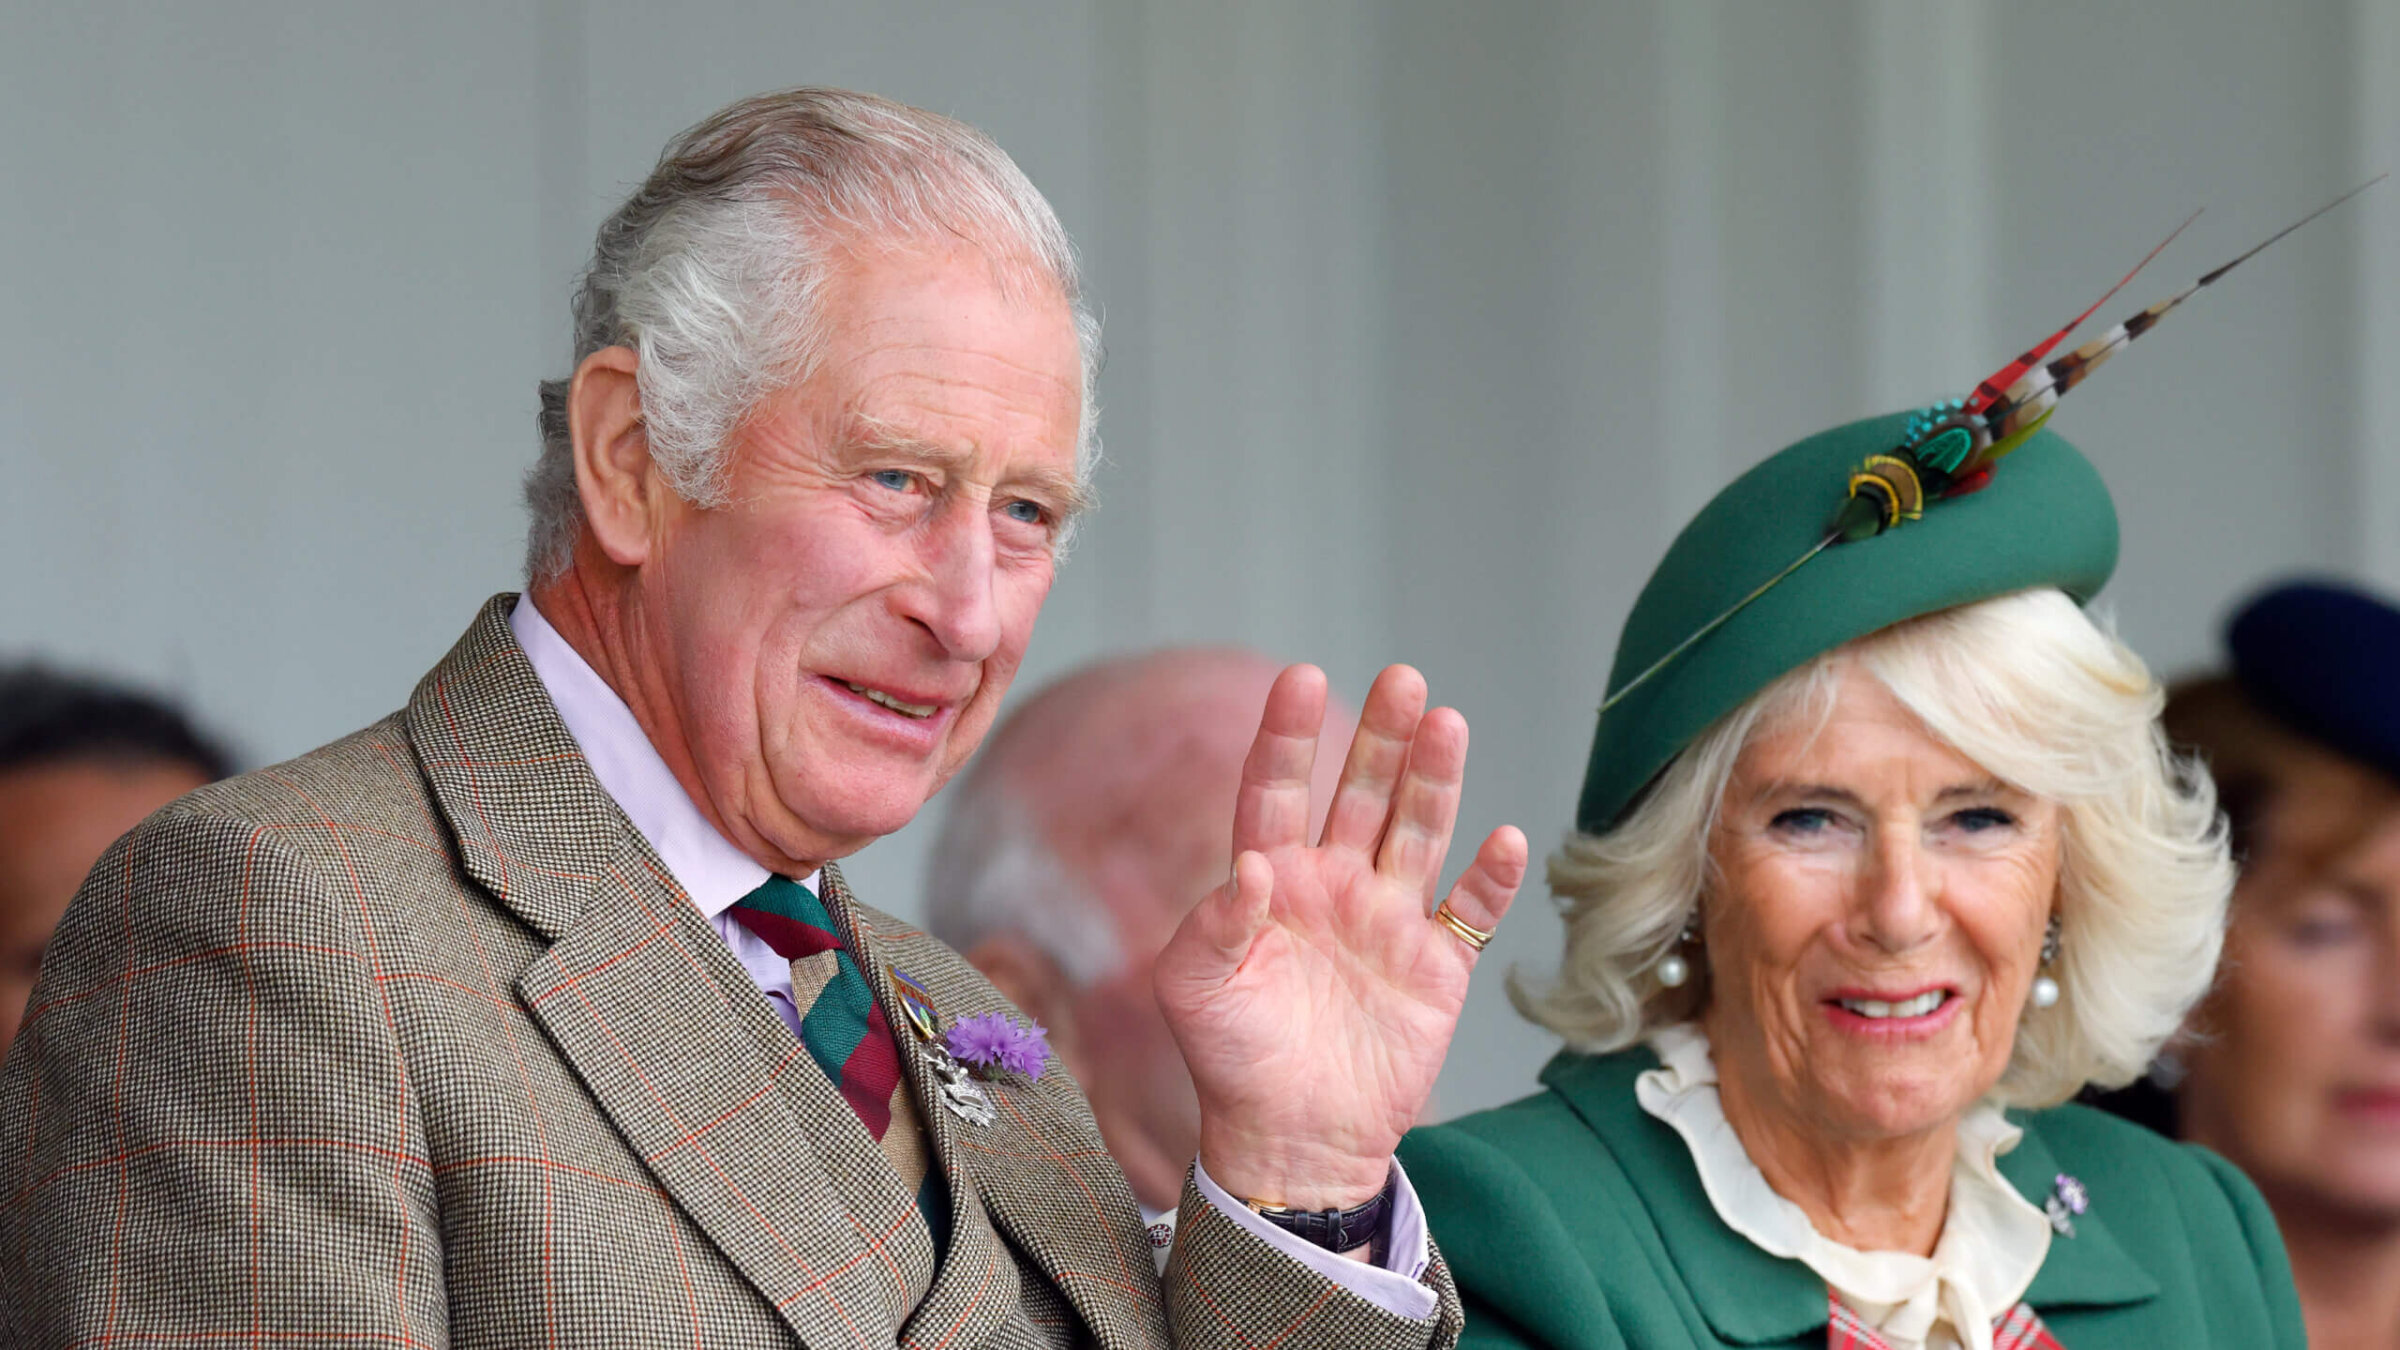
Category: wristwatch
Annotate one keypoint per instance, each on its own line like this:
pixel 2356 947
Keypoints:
pixel 1336 1230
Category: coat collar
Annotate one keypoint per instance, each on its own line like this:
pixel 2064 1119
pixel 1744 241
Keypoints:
pixel 642 999
pixel 533 826
pixel 1752 1298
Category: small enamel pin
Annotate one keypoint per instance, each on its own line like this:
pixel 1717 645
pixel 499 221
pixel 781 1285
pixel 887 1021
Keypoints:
pixel 2067 1199
pixel 960 1094
pixel 917 1003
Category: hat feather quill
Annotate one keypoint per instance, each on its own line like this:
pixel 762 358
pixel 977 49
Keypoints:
pixel 1951 449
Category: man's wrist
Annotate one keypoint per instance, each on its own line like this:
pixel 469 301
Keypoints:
pixel 1259 1175
pixel 1357 1231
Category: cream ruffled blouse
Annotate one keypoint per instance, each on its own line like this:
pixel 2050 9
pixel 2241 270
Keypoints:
pixel 1993 1239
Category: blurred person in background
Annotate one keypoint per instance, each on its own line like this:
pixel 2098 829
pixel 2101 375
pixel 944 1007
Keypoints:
pixel 1099 811
pixel 81 762
pixel 2291 1067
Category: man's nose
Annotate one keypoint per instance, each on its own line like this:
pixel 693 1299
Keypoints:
pixel 953 600
pixel 1896 911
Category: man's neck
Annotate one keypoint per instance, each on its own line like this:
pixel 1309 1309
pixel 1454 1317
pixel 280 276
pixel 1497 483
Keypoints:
pixel 593 615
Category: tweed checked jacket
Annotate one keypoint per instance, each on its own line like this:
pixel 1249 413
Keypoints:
pixel 413 1041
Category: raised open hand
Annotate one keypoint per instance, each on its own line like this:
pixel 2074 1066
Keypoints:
pixel 1313 994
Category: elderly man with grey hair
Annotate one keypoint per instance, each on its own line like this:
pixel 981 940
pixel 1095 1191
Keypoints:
pixel 1099 811
pixel 538 1012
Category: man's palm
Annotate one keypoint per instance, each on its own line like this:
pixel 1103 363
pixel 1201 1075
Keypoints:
pixel 1312 995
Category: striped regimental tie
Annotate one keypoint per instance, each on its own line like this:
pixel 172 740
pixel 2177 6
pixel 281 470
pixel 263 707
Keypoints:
pixel 845 1032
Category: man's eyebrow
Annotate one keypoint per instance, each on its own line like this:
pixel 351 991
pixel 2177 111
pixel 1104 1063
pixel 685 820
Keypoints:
pixel 870 436
pixel 1062 492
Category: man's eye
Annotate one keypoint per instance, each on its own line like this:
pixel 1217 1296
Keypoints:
pixel 898 480
pixel 1025 512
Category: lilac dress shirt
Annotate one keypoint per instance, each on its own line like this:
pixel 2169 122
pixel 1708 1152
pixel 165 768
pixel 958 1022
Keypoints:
pixel 717 875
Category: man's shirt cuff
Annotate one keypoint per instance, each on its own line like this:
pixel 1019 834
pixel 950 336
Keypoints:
pixel 1397 1285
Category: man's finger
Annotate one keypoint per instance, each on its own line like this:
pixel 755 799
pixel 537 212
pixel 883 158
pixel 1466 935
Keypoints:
pixel 1271 809
pixel 1362 802
pixel 1425 807
pixel 1482 897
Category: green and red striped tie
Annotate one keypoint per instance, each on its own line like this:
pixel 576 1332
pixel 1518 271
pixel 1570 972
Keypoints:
pixel 844 1030
pixel 846 1034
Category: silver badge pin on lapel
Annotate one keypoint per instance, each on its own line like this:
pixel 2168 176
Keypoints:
pixel 960 1094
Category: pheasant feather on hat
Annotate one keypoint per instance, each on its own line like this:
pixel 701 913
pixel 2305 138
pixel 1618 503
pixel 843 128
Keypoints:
pixel 1952 449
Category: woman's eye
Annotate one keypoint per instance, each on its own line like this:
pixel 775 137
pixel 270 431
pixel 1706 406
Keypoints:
pixel 2323 932
pixel 898 480
pixel 1025 512
pixel 1977 819
pixel 2322 925
pixel 1802 820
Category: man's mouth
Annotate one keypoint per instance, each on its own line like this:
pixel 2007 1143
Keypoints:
pixel 1909 1007
pixel 905 709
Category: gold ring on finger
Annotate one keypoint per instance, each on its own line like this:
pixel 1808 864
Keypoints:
pixel 1477 938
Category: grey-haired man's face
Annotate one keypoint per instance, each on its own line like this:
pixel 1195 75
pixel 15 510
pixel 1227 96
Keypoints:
pixel 842 632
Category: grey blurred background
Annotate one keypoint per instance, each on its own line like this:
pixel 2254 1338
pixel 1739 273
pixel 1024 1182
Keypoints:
pixel 1428 323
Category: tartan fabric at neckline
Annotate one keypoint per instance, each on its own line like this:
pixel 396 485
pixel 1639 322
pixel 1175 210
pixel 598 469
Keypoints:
pixel 2020 1328
pixel 844 1029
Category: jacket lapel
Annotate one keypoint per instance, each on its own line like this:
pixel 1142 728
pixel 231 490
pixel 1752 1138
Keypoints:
pixel 1752 1298
pixel 636 992
pixel 2090 1269
pixel 1037 1176
pixel 1747 1296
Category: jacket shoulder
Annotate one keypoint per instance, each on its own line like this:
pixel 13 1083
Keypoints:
pixel 372 774
pixel 2188 1215
pixel 260 853
pixel 1532 1210
pixel 2090 1143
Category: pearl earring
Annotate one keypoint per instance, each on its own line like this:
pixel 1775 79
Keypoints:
pixel 2045 989
pixel 1673 970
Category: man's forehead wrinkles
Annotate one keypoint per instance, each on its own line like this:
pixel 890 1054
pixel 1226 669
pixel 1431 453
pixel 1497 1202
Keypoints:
pixel 867 345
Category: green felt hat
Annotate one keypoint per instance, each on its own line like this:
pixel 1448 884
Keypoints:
pixel 2043 519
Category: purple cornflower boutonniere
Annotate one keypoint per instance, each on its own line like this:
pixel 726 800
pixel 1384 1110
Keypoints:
pixel 992 1041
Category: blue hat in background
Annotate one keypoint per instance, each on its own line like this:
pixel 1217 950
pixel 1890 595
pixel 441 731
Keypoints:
pixel 2324 658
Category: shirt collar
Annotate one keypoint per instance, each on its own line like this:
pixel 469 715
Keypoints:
pixel 705 863
pixel 1993 1239
pixel 1752 1298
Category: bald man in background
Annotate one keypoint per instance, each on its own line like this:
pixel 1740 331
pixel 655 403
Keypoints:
pixel 1098 812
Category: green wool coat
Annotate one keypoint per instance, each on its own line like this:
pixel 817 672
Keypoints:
pixel 1574 1220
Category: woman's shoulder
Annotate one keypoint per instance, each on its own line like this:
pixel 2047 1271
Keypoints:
pixel 2188 1217
pixel 1535 1210
pixel 2107 1147
pixel 1562 1127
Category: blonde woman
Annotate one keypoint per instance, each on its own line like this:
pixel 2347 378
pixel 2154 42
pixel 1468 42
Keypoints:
pixel 1869 878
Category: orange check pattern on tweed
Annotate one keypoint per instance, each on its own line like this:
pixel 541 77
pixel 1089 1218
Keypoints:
pixel 413 1041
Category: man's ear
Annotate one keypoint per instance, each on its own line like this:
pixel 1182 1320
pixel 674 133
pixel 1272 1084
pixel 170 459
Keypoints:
pixel 1033 981
pixel 612 454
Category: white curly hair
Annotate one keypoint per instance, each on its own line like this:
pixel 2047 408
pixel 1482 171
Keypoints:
pixel 2033 690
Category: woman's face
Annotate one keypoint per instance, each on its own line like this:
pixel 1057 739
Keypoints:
pixel 2297 1077
pixel 1875 923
